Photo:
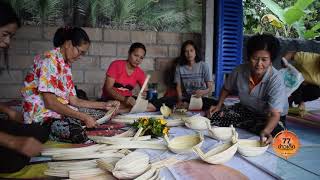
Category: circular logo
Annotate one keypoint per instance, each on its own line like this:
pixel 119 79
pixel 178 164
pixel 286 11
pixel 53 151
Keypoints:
pixel 286 144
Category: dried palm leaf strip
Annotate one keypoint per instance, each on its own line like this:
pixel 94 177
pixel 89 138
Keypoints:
pixel 94 155
pixel 137 145
pixel 175 122
pixel 72 163
pixel 129 133
pixel 87 149
pixel 86 173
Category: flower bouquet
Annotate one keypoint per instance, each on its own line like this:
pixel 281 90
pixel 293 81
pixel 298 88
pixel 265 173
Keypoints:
pixel 156 127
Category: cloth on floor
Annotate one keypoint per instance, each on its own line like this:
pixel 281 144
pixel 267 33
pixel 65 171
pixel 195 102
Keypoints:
pixel 310 117
pixel 34 171
pixel 196 169
pixel 70 129
pixel 108 129
pixel 241 117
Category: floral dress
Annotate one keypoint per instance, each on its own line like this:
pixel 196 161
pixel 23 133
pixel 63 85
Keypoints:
pixel 50 74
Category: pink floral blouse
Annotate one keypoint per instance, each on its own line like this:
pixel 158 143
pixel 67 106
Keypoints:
pixel 50 74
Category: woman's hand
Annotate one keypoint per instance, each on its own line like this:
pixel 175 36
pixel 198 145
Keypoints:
pixel 198 93
pixel 214 109
pixel 130 101
pixel 112 104
pixel 28 146
pixel 89 121
pixel 265 138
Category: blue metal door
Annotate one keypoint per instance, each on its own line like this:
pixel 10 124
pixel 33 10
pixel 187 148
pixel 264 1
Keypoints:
pixel 229 38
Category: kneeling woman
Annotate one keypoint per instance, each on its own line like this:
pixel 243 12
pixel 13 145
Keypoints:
pixel 49 93
pixel 123 75
pixel 263 104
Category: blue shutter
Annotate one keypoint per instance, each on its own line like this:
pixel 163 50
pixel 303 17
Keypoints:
pixel 229 37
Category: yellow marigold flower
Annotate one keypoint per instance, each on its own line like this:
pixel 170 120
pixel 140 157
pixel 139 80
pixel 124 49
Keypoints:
pixel 165 130
pixel 142 119
pixel 145 121
pixel 163 122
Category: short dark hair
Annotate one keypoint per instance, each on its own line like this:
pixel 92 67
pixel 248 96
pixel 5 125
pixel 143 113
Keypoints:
pixel 182 58
pixel 263 42
pixel 7 15
pixel 137 45
pixel 76 34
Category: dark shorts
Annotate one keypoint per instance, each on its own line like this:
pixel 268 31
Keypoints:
pixel 70 129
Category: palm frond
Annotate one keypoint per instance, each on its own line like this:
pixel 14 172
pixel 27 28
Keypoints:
pixel 82 6
pixel 100 9
pixel 126 11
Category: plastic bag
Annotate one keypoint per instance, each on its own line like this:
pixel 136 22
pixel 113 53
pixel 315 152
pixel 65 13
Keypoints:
pixel 292 77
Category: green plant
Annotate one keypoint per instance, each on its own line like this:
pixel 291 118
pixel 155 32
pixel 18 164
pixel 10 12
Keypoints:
pixel 156 127
pixel 40 11
pixel 155 15
pixel 291 18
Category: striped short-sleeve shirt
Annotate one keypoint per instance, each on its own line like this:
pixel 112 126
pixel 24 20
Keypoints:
pixel 193 79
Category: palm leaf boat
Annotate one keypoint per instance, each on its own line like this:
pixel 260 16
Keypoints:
pixel 221 153
pixel 249 147
pixel 196 122
pixel 184 144
pixel 220 133
pixel 165 110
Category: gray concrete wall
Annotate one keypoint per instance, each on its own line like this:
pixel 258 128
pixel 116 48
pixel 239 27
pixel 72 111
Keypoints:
pixel 89 72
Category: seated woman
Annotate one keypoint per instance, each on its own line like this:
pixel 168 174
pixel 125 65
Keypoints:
pixel 18 141
pixel 263 104
pixel 122 77
pixel 309 65
pixel 49 96
pixel 192 76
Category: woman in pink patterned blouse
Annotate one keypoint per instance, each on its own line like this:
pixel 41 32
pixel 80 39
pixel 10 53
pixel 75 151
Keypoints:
pixel 49 93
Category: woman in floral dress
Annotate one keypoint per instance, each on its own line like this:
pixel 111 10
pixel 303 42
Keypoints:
pixel 49 94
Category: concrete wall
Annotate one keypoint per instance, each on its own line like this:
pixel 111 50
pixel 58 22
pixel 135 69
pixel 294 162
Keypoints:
pixel 89 72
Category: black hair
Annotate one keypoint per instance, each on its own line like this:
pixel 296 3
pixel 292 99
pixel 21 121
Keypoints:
pixel 75 34
pixel 263 42
pixel 7 16
pixel 135 46
pixel 182 58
